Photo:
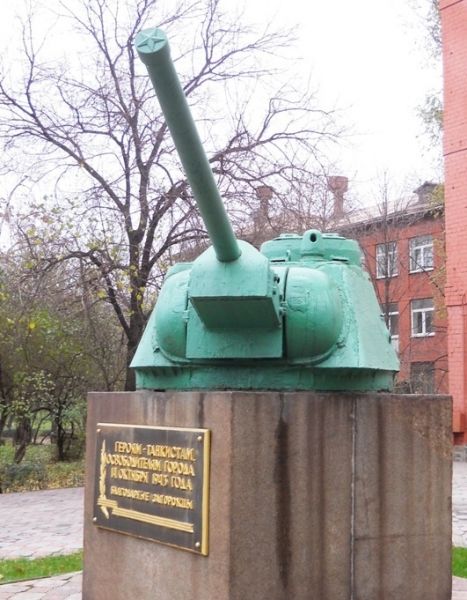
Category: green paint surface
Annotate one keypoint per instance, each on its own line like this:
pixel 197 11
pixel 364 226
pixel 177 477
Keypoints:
pixel 300 314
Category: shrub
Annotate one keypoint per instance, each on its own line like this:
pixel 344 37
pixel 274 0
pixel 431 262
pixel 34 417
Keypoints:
pixel 24 476
pixel 38 471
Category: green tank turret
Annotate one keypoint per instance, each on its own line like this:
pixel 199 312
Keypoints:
pixel 299 314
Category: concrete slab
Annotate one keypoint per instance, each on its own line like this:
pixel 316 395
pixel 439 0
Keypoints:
pixel 42 505
pixel 311 495
pixel 402 498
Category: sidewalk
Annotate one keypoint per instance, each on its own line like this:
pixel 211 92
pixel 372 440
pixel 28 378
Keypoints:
pixel 63 587
pixel 35 524
pixel 50 522
pixel 459 505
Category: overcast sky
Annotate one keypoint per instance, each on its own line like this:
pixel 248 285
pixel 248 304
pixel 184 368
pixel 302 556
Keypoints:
pixel 368 59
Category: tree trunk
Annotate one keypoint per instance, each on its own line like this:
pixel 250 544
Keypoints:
pixel 136 331
pixel 130 380
pixel 3 420
pixel 3 402
pixel 22 439
pixel 60 440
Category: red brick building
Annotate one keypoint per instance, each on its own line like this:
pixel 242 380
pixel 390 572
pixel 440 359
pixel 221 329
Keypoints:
pixel 454 28
pixel 403 244
pixel 404 253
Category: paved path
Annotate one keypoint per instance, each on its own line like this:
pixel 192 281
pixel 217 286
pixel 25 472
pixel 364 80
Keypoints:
pixel 63 587
pixel 459 522
pixel 37 524
pixel 50 522
pixel 459 589
pixel 459 505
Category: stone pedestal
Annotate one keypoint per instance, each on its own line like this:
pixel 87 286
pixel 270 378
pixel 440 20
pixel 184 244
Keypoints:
pixel 326 496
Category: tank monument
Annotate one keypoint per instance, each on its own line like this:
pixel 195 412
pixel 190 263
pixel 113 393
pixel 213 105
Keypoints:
pixel 263 455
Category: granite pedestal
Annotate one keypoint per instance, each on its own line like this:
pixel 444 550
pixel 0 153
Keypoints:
pixel 313 496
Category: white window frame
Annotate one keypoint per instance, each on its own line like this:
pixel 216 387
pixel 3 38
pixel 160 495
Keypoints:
pixel 424 311
pixel 389 314
pixel 421 254
pixel 386 260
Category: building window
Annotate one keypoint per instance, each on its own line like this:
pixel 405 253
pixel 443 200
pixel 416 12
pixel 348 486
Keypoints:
pixel 422 377
pixel 422 317
pixel 421 254
pixel 386 260
pixel 391 314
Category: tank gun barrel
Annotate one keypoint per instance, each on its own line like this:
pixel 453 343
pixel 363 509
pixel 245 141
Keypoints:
pixel 153 49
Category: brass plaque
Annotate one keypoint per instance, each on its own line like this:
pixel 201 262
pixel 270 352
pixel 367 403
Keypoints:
pixel 153 483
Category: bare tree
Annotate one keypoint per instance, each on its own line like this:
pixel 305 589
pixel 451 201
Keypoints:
pixel 428 18
pixel 121 202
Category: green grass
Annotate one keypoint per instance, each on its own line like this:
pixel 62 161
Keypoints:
pixel 459 562
pixel 21 569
